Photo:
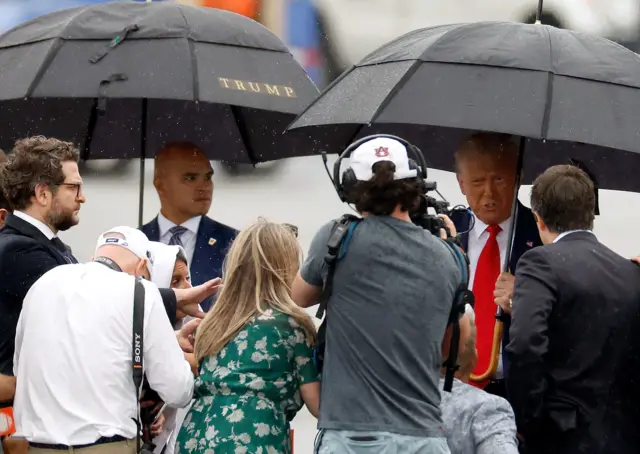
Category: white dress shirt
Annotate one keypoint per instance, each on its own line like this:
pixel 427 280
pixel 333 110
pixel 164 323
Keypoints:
pixel 188 238
pixel 563 234
pixel 478 237
pixel 44 228
pixel 73 356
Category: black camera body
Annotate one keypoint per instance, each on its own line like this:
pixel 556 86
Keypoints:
pixel 430 222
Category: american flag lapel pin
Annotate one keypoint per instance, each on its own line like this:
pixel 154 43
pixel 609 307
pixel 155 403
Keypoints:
pixel 212 241
pixel 530 243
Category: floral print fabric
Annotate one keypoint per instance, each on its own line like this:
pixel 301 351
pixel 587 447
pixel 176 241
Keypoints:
pixel 246 396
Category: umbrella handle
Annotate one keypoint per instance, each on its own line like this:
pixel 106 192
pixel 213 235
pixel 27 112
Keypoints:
pixel 495 355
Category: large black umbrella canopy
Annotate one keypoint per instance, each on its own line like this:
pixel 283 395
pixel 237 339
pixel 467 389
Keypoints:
pixel 573 96
pixel 122 79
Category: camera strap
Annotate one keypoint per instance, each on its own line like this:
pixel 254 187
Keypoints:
pixel 137 346
pixel 462 297
pixel 137 351
pixel 106 261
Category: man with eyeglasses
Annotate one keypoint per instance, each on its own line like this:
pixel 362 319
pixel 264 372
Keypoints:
pixel 41 181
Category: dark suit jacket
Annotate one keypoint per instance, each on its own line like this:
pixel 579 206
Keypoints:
pixel 207 260
pixel 575 349
pixel 527 237
pixel 25 255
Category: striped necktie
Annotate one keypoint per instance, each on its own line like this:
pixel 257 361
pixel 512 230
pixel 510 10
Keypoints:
pixel 176 235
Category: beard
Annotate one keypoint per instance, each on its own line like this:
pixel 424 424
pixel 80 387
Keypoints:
pixel 61 220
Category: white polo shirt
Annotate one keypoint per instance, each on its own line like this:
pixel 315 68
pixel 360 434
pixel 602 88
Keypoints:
pixel 73 356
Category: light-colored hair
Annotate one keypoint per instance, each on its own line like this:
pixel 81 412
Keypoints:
pixel 486 143
pixel 258 272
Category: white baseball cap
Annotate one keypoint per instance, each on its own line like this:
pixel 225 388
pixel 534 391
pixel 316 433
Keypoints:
pixel 164 258
pixel 381 149
pixel 131 239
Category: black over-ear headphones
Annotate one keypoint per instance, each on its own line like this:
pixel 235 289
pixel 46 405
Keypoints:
pixel 345 184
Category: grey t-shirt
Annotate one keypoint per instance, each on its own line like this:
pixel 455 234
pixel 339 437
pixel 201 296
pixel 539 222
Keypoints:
pixel 392 294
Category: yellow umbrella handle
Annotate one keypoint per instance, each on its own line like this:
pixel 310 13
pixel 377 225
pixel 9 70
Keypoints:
pixel 495 356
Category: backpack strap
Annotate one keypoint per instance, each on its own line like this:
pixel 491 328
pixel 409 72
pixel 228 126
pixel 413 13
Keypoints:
pixel 337 245
pixel 461 298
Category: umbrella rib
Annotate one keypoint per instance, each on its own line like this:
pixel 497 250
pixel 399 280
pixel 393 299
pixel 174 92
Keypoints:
pixel 387 99
pixel 244 132
pixel 53 51
pixel 550 77
pixel 192 56
pixel 327 88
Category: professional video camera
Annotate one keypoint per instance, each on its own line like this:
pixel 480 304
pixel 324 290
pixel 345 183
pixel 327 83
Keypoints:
pixel 422 218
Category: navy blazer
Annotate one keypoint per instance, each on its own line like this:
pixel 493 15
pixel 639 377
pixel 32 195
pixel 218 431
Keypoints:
pixel 25 255
pixel 527 237
pixel 208 258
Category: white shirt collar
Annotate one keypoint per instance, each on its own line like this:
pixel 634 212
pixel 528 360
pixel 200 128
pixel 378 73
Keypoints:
pixel 44 228
pixel 165 224
pixel 480 227
pixel 563 234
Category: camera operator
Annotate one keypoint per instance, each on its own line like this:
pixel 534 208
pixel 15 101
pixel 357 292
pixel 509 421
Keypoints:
pixel 388 310
pixel 74 355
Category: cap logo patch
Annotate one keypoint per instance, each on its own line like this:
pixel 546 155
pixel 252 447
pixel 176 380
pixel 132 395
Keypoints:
pixel 382 152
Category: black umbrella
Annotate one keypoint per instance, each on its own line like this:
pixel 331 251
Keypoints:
pixel 124 78
pixel 570 97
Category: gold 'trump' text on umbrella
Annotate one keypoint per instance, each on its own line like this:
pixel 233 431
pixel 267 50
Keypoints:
pixel 257 87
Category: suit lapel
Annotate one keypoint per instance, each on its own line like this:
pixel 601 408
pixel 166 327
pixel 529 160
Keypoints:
pixel 153 230
pixel 201 253
pixel 27 229
pixel 462 221
pixel 527 235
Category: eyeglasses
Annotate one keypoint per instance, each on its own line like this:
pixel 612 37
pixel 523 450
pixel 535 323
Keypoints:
pixel 293 229
pixel 78 187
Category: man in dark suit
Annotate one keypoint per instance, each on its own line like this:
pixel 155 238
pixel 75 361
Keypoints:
pixel 486 173
pixel 183 180
pixel 575 332
pixel 41 181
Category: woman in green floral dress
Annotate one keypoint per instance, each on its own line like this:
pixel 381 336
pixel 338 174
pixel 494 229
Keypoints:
pixel 255 352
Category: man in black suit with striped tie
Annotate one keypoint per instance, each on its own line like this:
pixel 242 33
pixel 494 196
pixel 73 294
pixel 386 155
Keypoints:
pixel 184 180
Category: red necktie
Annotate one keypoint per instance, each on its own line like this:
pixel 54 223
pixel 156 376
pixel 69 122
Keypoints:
pixel 484 284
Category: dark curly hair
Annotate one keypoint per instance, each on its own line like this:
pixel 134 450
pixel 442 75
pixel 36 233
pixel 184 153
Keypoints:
pixel 4 203
pixel 382 194
pixel 34 160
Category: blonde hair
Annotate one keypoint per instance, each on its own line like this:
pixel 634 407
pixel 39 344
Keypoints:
pixel 258 272
pixel 486 143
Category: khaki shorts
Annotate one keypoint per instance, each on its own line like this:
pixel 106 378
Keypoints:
pixel 119 447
